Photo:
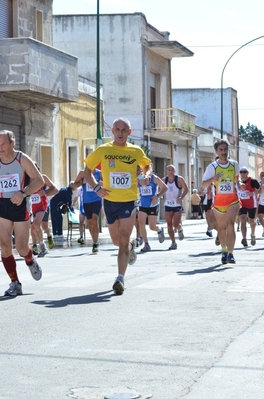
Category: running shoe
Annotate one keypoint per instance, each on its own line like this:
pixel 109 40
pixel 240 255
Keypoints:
pixel 42 253
pixel 139 241
pixel 161 235
pixel 132 255
pixel 224 259
pixel 119 286
pixel 95 248
pixel 35 270
pixel 51 242
pixel 146 248
pixel 15 288
pixel 35 249
pixel 180 234
pixel 230 258
pixel 217 241
pixel 209 233
pixel 81 241
pixel 253 240
pixel 173 246
pixel 244 242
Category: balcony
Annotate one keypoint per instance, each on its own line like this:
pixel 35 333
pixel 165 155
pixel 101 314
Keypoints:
pixel 171 124
pixel 33 71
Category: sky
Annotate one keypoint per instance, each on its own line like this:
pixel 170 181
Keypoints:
pixel 213 31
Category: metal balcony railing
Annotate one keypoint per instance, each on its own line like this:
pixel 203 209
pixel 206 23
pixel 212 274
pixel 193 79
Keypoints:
pixel 171 119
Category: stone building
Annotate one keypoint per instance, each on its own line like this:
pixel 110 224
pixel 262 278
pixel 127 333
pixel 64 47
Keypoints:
pixel 135 71
pixel 34 78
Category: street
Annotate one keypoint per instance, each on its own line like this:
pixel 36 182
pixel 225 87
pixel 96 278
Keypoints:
pixel 186 326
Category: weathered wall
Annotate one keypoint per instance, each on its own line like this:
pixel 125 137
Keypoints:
pixel 206 105
pixel 25 18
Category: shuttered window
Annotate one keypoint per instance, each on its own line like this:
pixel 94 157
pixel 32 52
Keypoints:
pixel 6 19
pixel 11 120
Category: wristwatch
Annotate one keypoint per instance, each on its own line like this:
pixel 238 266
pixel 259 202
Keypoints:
pixel 23 193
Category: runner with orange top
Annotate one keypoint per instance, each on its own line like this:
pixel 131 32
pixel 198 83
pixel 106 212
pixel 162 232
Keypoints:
pixel 224 173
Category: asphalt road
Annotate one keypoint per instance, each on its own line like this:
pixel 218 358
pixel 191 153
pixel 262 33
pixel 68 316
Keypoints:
pixel 186 326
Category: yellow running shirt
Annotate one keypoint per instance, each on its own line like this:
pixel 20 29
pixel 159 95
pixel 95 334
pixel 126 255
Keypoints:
pixel 225 187
pixel 119 169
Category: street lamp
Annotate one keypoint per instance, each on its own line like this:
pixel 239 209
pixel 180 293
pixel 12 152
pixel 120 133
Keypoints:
pixel 222 100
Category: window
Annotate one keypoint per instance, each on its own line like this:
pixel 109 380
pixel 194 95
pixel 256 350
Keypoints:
pixel 46 160
pixel 72 159
pixel 39 25
pixel 6 18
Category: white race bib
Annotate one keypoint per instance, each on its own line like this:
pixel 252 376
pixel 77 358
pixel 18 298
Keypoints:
pixel 172 203
pixel 88 187
pixel 244 194
pixel 120 179
pixel 145 190
pixel 9 183
pixel 35 198
pixel 225 187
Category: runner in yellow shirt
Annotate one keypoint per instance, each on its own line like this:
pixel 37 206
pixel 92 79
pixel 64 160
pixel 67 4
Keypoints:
pixel 119 160
pixel 224 174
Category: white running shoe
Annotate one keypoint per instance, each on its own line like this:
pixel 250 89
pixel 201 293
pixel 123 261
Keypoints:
pixel 132 255
pixel 173 246
pixel 139 241
pixel 161 235
pixel 35 270
pixel 180 234
pixel 43 251
pixel 146 248
pixel 15 288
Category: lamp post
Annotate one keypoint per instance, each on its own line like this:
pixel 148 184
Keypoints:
pixel 222 94
pixel 98 119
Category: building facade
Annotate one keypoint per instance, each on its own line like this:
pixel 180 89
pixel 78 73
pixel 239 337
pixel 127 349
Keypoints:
pixel 135 71
pixel 205 104
pixel 134 65
pixel 34 77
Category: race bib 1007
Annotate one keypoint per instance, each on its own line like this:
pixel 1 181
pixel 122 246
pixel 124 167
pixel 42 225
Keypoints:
pixel 120 179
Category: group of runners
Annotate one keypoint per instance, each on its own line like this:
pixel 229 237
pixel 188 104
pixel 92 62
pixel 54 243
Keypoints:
pixel 231 196
pixel 126 174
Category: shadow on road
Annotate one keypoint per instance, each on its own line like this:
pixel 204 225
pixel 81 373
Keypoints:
pixel 204 254
pixel 98 297
pixel 207 270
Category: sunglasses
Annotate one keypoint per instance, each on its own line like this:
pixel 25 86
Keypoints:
pixel 244 172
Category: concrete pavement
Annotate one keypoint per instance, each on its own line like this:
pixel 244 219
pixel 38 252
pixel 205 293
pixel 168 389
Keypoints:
pixel 104 237
pixel 186 327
